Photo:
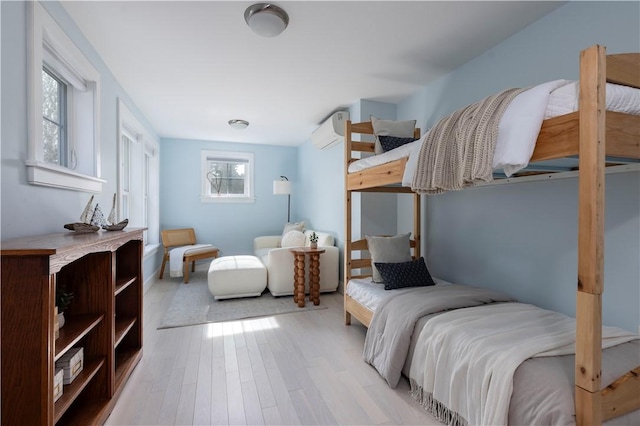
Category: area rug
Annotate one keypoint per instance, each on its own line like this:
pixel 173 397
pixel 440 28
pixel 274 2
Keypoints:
pixel 193 305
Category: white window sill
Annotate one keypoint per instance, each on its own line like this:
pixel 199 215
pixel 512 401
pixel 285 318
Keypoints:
pixel 45 174
pixel 150 250
pixel 205 199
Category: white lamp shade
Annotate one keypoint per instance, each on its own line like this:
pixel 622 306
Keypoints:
pixel 281 187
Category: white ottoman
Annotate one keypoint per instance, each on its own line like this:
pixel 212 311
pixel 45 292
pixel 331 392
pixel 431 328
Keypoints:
pixel 237 276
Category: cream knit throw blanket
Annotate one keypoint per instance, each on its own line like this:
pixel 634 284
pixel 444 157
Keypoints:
pixel 458 150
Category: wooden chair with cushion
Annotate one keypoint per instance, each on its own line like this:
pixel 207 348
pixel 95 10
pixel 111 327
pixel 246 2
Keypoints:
pixel 173 238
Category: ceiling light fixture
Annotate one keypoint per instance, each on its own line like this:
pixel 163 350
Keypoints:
pixel 239 124
pixel 266 19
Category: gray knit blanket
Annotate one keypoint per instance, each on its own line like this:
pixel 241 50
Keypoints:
pixel 458 151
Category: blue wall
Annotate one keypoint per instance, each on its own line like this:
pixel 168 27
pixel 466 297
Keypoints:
pixel 28 209
pixel 230 226
pixel 522 238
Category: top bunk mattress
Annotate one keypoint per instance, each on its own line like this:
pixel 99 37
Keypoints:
pixel 519 126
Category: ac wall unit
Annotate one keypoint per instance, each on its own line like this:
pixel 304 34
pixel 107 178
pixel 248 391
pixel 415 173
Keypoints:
pixel 331 131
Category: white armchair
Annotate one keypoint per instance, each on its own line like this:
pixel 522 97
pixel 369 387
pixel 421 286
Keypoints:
pixel 279 263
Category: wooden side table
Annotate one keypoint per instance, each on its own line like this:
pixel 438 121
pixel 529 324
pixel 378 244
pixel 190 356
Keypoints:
pixel 299 254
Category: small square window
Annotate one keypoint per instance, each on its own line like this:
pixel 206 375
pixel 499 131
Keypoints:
pixel 227 176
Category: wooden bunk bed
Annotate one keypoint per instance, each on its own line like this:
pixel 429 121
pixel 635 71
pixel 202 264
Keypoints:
pixel 583 134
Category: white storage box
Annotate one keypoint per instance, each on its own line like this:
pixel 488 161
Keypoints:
pixel 57 384
pixel 71 362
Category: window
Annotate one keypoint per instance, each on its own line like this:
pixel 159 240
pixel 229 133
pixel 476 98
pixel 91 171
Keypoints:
pixel 227 176
pixel 54 118
pixel 138 176
pixel 64 109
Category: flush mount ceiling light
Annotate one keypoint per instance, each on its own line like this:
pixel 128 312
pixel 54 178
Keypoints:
pixel 266 19
pixel 239 124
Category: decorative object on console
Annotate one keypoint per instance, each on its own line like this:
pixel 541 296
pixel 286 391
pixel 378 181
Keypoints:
pixel 283 187
pixel 87 213
pixel 97 219
pixel 112 220
pixel 92 219
pixel 81 228
pixel 266 19
pixel 84 226
pixel 313 240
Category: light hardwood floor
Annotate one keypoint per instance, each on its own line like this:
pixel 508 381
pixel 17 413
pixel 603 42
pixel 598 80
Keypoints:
pixel 300 368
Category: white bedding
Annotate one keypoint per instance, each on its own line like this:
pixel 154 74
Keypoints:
pixel 465 359
pixel 520 125
pixel 542 387
pixel 370 294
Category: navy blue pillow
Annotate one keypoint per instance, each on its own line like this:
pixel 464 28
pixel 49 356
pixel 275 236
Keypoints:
pixel 405 274
pixel 390 142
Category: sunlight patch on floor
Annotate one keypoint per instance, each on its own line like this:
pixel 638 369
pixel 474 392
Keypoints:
pixel 228 328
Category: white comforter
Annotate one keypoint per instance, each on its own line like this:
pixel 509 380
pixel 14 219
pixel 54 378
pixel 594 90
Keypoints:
pixel 464 360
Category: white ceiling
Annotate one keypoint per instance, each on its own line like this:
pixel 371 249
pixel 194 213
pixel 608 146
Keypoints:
pixel 191 66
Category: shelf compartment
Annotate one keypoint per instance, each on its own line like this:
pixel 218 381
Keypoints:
pixel 74 389
pixel 94 412
pixel 126 360
pixel 75 328
pixel 122 327
pixel 123 283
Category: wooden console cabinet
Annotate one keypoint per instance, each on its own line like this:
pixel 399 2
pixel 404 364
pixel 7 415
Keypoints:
pixel 104 272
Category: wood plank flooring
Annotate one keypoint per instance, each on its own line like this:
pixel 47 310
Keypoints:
pixel 301 368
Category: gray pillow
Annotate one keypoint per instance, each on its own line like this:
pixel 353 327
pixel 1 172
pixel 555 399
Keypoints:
pixel 399 129
pixel 387 250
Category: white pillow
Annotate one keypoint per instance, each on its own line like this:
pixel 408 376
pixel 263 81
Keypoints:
pixel 387 250
pixel 292 226
pixel 400 129
pixel 293 239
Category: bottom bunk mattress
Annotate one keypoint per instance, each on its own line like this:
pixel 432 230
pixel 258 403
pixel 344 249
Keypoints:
pixel 442 339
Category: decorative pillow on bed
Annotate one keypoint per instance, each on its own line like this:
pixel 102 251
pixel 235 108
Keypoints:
pixel 405 274
pixel 391 142
pixel 387 249
pixel 293 239
pixel 399 129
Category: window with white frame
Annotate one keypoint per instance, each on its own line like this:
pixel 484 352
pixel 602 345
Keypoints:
pixel 64 109
pixel 138 175
pixel 227 176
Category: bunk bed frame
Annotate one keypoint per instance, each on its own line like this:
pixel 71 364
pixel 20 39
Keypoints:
pixel 581 133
